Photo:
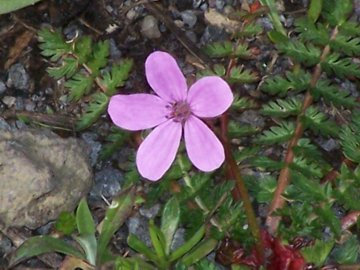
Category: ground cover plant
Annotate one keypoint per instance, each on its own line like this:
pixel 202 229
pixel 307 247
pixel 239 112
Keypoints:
pixel 267 196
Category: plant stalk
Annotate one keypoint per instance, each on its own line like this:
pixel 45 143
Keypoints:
pixel 284 178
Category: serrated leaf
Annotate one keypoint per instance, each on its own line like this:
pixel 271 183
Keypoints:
pixel 79 85
pixel 336 12
pixel 169 221
pixel 317 253
pixel 306 167
pixel 83 48
pixel 350 139
pixel 52 44
pixel 348 253
pixel 266 163
pixel 84 220
pixel 115 216
pixel 98 60
pixel 243 103
pixel 219 49
pixel 98 105
pixel 346 44
pixel 67 69
pixel 250 29
pixel 342 67
pixel 117 77
pixel 277 134
pixel 241 50
pixel 319 122
pixel 328 217
pixel 39 245
pixel 350 28
pixel 333 94
pixel 280 85
pixel 241 75
pixel 282 107
pixel 315 33
pixel 267 187
pixel 305 54
pixel 237 130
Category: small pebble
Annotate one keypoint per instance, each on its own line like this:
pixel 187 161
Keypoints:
pixel 151 212
pixel 189 18
pixel 107 182
pixel 9 101
pixel 18 77
pixel 149 27
pixel 2 87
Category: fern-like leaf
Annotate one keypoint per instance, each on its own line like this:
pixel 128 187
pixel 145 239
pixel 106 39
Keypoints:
pixel 117 76
pixel 266 163
pixel 305 54
pixel 83 49
pixel 79 85
pixel 219 49
pixel 319 122
pixel 282 107
pixel 249 30
pixel 306 167
pixel 348 45
pixel 99 57
pixel 278 85
pixel 350 138
pixel 67 69
pixel 241 75
pixel 98 105
pixel 243 103
pixel 317 34
pixel 333 94
pixel 342 67
pixel 277 134
pixel 350 29
pixel 242 51
pixel 52 44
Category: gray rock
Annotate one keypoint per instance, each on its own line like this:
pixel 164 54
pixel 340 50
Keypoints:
pixel 179 239
pixel 90 139
pixel 149 27
pixel 4 125
pixel 189 18
pixel 107 182
pixel 9 101
pixel 150 212
pixel 41 175
pixel 253 118
pixel 2 87
pixel 18 77
pixel 138 225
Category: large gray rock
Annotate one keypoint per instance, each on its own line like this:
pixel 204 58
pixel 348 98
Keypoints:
pixel 41 175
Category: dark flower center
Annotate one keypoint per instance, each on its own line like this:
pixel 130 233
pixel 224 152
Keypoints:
pixel 179 111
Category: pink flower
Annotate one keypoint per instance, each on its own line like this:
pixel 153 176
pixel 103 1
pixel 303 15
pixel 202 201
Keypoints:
pixel 172 111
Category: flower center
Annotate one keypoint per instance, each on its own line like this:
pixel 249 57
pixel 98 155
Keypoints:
pixel 180 111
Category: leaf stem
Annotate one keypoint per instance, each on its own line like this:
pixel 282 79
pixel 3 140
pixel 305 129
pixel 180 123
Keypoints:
pixel 284 177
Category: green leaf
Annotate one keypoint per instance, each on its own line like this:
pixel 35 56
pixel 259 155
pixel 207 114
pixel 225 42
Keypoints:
pixel 203 249
pixel 135 243
pixel 305 54
pixel 328 217
pixel 342 67
pixel 242 51
pixel 89 245
pixel 349 252
pixel 282 107
pixel 348 45
pixel 117 77
pixel 350 28
pixel 83 48
pixel 219 49
pixel 52 44
pixel 79 85
pixel 242 103
pixel 98 105
pixel 267 187
pixel 241 75
pixel 98 60
pixel 315 9
pixel 315 33
pixel 114 140
pixel 67 69
pixel 266 163
pixel 10 6
pixel 250 30
pixel 278 85
pixel 333 94
pixel 306 167
pixel 188 245
pixel 317 253
pixel 274 16
pixel 158 241
pixel 115 216
pixel 169 221
pixel 336 12
pixel 237 130
pixel 66 223
pixel 84 220
pixel 277 134
pixel 350 139
pixel 319 122
pixel 39 245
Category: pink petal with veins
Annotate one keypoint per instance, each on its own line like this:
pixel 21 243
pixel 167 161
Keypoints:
pixel 158 151
pixel 210 96
pixel 165 77
pixel 203 148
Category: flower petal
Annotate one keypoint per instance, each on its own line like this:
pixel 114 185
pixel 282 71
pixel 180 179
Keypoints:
pixel 210 96
pixel 165 77
pixel 158 151
pixel 203 147
pixel 137 111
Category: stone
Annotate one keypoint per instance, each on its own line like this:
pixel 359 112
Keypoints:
pixel 149 27
pixel 18 77
pixel 189 18
pixel 107 183
pixel 41 175
pixel 2 87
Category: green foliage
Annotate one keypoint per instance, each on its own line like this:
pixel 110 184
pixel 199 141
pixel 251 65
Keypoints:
pixel 342 67
pixel 114 140
pixel 282 108
pixel 308 55
pixel 315 33
pixel 83 63
pixel 348 253
pixel 348 45
pixel 66 223
pixel 241 75
pixel 277 134
pixel 279 85
pixel 318 253
pixel 350 138
pixel 319 123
